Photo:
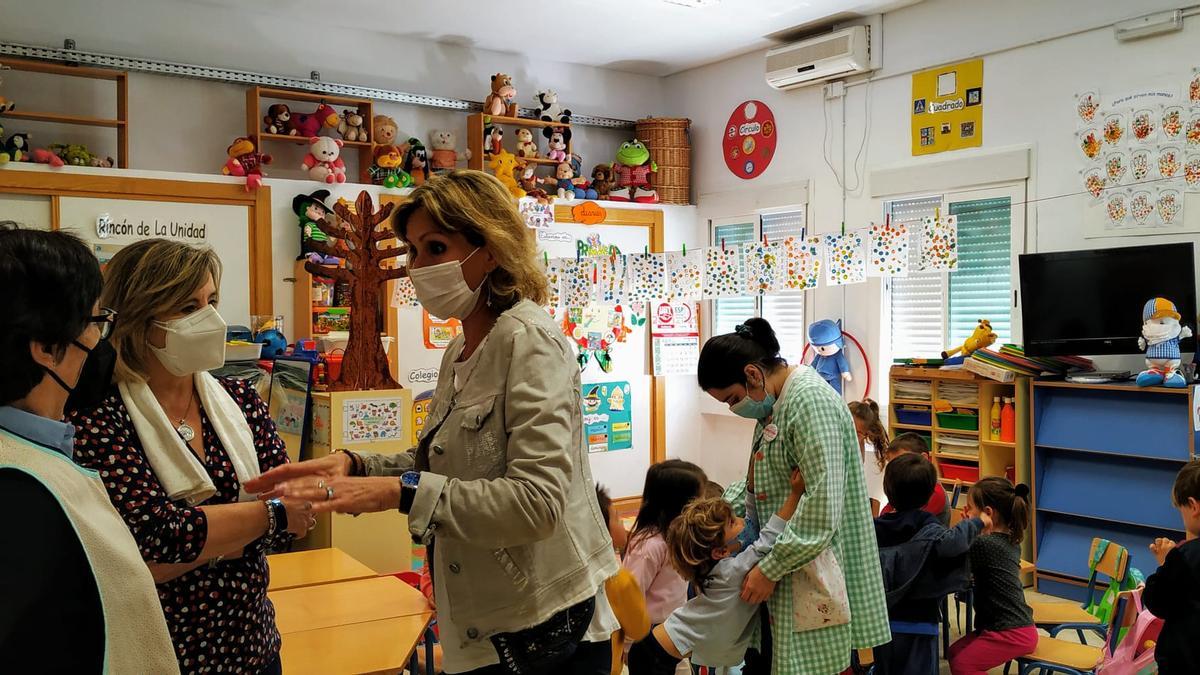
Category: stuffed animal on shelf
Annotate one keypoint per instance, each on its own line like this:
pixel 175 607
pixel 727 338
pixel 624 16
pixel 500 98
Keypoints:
pixel 632 173
pixel 74 154
pixel 4 156
pixel 351 127
pixel 1161 333
pixel 501 100
pixel 830 362
pixel 323 161
pixel 17 146
pixel 245 161
pixel 102 163
pixel 602 180
pixel 416 161
pixel 583 187
pixel 980 338
pixel 551 111
pixel 557 139
pixel 5 104
pixel 312 209
pixel 564 180
pixel 278 120
pixel 493 137
pixel 309 124
pixel 44 156
pixel 443 156
pixel 526 147
pixel 504 164
pixel 529 179
pixel 385 130
pixel 388 167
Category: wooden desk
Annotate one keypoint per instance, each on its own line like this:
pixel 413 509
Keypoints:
pixel 312 608
pixel 312 568
pixel 382 646
pixel 1027 566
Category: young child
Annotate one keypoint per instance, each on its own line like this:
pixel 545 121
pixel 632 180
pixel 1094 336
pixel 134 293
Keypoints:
pixel 871 433
pixel 910 443
pixel 1173 592
pixel 922 563
pixel 670 485
pixel 713 549
pixel 1003 622
pixel 623 593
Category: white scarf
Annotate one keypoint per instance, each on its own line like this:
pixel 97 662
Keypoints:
pixel 181 473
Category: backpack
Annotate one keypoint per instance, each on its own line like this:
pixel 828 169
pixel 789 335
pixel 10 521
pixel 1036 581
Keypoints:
pixel 1134 654
pixel 1102 608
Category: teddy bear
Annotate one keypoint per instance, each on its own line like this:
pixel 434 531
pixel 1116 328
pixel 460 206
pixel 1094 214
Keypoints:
pixel 245 160
pixel 1161 333
pixel 277 120
pixel 387 168
pixel 443 156
pixel 385 129
pixel 17 146
pixel 416 161
pixel 323 161
pixel 602 180
pixel 529 179
pixel 351 127
pixel 557 139
pixel 503 164
pixel 526 147
pixel 501 101
pixel 493 137
pixel 547 100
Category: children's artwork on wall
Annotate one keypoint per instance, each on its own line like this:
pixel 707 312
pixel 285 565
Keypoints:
pixel 1090 143
pixel 1086 105
pixel 1115 166
pixel 1139 162
pixel 438 334
pixel 947 108
pixel 724 274
pixel 595 329
pixel 1144 125
pixel 939 244
pixel 1172 122
pixel 845 261
pixel 1114 128
pixel 1170 161
pixel 1194 86
pixel 372 419
pixel 1095 180
pixel 1191 171
pixel 764 266
pixel 802 263
pixel 537 213
pixel 607 416
pixel 553 283
pixel 1167 204
pixel 1141 205
pixel 685 275
pixel 889 251
pixel 612 280
pixel 647 277
pixel 575 283
pixel 404 294
pixel 1116 206
pixel 420 412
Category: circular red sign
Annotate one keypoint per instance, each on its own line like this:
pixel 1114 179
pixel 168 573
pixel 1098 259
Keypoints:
pixel 748 143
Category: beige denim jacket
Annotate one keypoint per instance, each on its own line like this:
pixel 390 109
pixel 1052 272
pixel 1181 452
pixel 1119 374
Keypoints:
pixel 506 489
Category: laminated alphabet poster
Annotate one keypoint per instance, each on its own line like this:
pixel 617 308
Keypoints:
pixel 889 250
pixel 802 263
pixel 844 259
pixel 939 244
pixel 724 275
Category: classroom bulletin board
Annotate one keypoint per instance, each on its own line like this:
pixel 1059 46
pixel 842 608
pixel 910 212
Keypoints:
pixel 947 108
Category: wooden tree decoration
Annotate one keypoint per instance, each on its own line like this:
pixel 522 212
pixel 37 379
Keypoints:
pixel 365 364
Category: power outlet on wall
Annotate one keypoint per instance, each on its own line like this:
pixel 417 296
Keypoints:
pixel 835 90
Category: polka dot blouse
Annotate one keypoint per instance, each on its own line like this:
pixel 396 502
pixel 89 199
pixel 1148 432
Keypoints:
pixel 219 616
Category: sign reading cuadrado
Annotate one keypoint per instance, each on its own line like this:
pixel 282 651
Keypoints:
pixel 112 224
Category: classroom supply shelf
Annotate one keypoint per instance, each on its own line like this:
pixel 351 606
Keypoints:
pixel 1104 461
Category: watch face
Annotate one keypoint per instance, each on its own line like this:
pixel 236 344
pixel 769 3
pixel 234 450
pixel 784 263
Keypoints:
pixel 410 479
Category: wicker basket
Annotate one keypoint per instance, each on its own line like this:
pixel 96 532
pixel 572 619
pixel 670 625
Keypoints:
pixel 667 139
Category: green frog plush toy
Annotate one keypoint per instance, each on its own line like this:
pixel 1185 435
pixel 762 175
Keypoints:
pixel 631 174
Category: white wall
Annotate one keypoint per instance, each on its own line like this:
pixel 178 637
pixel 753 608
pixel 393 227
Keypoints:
pixel 1030 77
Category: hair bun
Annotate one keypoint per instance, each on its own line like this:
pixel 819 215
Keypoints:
pixel 760 331
pixel 1021 490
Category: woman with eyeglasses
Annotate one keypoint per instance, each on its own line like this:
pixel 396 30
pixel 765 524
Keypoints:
pixel 175 446
pixel 75 596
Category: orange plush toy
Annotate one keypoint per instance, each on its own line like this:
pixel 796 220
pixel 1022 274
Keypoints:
pixel 502 100
pixel 245 160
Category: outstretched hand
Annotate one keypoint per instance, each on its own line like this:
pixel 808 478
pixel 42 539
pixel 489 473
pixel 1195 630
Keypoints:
pixel 346 494
pixel 269 485
pixel 1160 548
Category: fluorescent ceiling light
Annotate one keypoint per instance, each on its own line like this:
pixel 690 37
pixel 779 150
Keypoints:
pixel 1151 24
pixel 695 4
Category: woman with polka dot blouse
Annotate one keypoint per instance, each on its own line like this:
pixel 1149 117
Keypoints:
pixel 174 445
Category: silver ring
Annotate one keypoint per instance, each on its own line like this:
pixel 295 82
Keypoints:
pixel 321 485
pixel 328 493
pixel 312 522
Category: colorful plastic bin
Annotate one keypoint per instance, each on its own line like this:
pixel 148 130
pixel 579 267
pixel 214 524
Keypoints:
pixel 921 417
pixel 958 421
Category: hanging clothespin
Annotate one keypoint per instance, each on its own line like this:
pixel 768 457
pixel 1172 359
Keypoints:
pixel 578 255
pixel 843 228
pixel 546 258
pixel 685 249
pixel 722 244
pixel 646 251
pixel 937 213
pixel 595 274
pixel 887 221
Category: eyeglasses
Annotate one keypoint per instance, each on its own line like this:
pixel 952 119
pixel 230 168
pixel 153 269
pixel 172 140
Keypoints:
pixel 104 321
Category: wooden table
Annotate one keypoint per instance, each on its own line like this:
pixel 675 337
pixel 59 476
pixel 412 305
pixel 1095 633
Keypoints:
pixel 363 626
pixel 312 568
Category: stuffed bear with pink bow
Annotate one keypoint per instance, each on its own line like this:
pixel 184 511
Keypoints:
pixel 323 161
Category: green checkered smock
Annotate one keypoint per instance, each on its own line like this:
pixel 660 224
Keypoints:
pixel 816 434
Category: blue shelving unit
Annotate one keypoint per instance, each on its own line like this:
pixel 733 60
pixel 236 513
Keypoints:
pixel 1104 460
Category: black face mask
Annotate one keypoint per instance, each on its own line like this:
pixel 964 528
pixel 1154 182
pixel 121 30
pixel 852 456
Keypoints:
pixel 95 377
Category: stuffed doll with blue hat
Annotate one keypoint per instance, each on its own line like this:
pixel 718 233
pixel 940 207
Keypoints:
pixel 1161 333
pixel 826 338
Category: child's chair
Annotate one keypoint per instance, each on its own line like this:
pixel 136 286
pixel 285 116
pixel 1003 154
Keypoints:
pixel 1105 557
pixel 962 597
pixel 1053 655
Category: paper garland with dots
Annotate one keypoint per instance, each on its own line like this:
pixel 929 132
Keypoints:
pixel 724 275
pixel 647 277
pixel 939 244
pixel 685 275
pixel 889 250
pixel 764 267
pixel 801 264
pixel 845 262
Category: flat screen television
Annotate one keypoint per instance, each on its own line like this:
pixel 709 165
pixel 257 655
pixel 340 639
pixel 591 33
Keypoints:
pixel 1090 302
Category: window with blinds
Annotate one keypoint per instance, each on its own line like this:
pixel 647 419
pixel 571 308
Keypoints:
pixel 918 300
pixel 982 286
pixel 784 311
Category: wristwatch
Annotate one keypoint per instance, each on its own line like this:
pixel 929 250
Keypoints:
pixel 409 480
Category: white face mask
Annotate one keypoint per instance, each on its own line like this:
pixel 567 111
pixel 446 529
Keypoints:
pixel 195 342
pixel 1155 332
pixel 443 291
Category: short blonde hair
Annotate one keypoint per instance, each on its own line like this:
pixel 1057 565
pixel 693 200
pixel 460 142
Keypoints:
pixel 694 535
pixel 147 279
pixel 479 207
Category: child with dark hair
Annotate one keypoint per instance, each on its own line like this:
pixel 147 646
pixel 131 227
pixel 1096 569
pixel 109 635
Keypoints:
pixel 922 562
pixel 872 448
pixel 623 593
pixel 1173 592
pixel 910 443
pixel 1003 621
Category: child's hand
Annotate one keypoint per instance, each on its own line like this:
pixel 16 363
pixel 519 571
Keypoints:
pixel 797 482
pixel 1160 548
pixel 987 521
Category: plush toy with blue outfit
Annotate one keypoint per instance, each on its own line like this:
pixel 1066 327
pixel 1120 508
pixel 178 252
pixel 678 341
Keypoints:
pixel 826 338
pixel 1161 333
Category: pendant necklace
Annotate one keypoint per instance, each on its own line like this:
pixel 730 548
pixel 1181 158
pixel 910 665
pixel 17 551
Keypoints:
pixel 185 430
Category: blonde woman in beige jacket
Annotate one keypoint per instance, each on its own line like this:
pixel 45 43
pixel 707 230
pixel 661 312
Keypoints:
pixel 499 487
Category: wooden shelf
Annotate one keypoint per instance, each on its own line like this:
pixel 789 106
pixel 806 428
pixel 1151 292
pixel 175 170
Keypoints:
pixel 911 401
pixel 61 118
pixel 539 160
pixel 303 140
pixel 913 427
pixel 322 308
pixel 522 121
pixel 351 150
pixel 966 406
pixel 964 432
pixel 954 455
pixel 475 141
pixel 1000 444
pixel 293 95
pixel 952 481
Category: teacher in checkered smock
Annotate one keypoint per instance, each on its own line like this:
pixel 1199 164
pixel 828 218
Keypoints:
pixel 802 423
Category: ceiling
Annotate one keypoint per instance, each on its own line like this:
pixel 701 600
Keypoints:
pixel 651 37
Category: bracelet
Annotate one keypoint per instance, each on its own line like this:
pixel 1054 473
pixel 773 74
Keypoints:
pixel 357 466
pixel 270 517
pixel 277 520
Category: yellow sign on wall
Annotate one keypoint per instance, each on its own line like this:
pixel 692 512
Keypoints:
pixel 947 108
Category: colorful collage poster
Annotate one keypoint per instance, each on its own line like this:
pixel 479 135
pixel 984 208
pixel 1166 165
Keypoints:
pixel 607 416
